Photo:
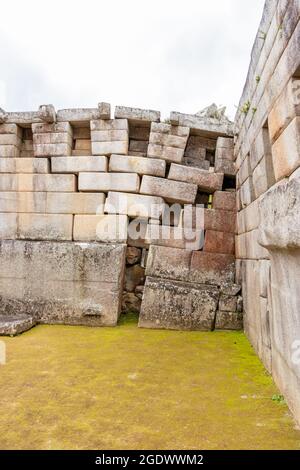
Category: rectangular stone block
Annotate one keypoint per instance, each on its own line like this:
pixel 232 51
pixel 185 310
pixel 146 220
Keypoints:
pixel 123 182
pixel 224 200
pixel 170 154
pixel 81 133
pixel 225 166
pixel 168 263
pixel 174 237
pixel 52 138
pixel 286 150
pixel 78 283
pixel 134 205
pixel 170 129
pixel 286 108
pixel 37 182
pixel 74 203
pixel 9 151
pixel 139 133
pixel 167 140
pixel 55 127
pixel 10 139
pixel 109 125
pixel 108 148
pixel 194 149
pixel 140 146
pixel 24 165
pixel 11 129
pixel 102 228
pixel 224 153
pixel 136 114
pixel 172 191
pixel 206 181
pixel 202 164
pixel 109 136
pixel 140 165
pixel 52 150
pixel 247 193
pixel 260 147
pixel 212 268
pixel 78 116
pixel 229 321
pixel 78 164
pixel 83 144
pixel 178 306
pixel 228 303
pixel 23 201
pixel 225 143
pixel 8 227
pixel 219 242
pixel 45 226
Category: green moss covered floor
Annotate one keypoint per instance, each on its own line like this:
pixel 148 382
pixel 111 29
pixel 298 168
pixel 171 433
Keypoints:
pixel 127 388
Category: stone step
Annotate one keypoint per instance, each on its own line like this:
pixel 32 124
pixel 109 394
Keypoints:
pixel 15 325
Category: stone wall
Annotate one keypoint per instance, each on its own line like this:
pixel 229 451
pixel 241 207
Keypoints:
pixel 267 152
pixel 77 187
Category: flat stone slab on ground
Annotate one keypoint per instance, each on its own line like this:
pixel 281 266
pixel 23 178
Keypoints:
pixel 15 325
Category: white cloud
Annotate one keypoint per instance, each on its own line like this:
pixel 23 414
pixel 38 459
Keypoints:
pixel 166 55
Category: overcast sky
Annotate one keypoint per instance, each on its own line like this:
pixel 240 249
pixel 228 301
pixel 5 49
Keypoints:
pixel 170 55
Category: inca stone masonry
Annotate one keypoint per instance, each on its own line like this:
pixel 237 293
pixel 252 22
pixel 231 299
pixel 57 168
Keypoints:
pixel 193 222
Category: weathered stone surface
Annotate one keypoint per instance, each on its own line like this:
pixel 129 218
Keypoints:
pixel 219 242
pixel 228 303
pixel 47 113
pixel 175 237
pixel 172 191
pixel 205 180
pixel 170 154
pixel 286 108
pixel 24 165
pixel 286 150
pixel 136 114
pixel 108 148
pixel 78 164
pixel 134 205
pixel 127 182
pixel 247 193
pixel 56 127
pixel 198 267
pixel 215 127
pixel 167 140
pixel 165 128
pixel 133 255
pixel 229 321
pixel 9 151
pixel 44 227
pixel 109 125
pixel 23 201
pixel 104 110
pixel 70 283
pixel 15 325
pixel 131 303
pixel 219 220
pixel 37 182
pixel 78 115
pixel 225 166
pixel 50 150
pixel 74 203
pixel 102 228
pixel 10 139
pixel 134 276
pixel 178 306
pixel 230 289
pixel 8 226
pixel 140 165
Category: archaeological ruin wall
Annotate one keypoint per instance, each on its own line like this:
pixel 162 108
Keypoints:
pixel 267 153
pixel 100 215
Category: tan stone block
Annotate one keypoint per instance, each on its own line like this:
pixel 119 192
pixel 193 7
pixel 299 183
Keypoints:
pixel 170 129
pixel 81 133
pixel 78 164
pixel 205 180
pixel 52 138
pixel 134 205
pixel 136 114
pixel 123 182
pixel 219 220
pixel 11 129
pixel 224 153
pixel 52 150
pixel 37 182
pixel 172 191
pixel 224 200
pixel 225 166
pixel 140 146
pixel 45 226
pixel 83 144
pixel 109 136
pixel 174 237
pixel 23 202
pixel 10 139
pixel 24 165
pixel 55 127
pixel 247 192
pixel 286 150
pixel 140 165
pixel 74 203
pixel 170 154
pixel 103 228
pixel 219 242
pixel 212 268
pixel 225 143
pixel 9 151
pixel 286 108
pixel 168 140
pixel 109 125
pixel 8 226
pixel 108 148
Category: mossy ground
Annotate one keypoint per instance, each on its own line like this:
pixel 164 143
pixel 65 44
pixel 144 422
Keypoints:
pixel 127 388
